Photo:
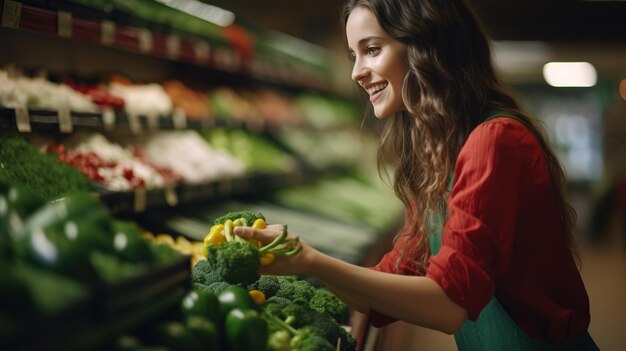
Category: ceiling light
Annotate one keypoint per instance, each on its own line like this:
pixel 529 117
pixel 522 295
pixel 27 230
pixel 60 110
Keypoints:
pixel 570 74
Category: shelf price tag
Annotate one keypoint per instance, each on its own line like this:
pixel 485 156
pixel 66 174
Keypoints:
pixel 170 195
pixel 108 118
pixel 202 51
pixel 64 24
pixel 64 117
pixel 152 121
pixel 11 14
pixel 144 37
pixel 107 32
pixel 22 120
pixel 134 123
pixel 173 46
pixel 139 204
pixel 179 119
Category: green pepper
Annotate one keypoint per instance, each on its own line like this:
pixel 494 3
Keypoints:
pixel 205 331
pixel 201 303
pixel 51 249
pixel 232 297
pixel 77 205
pixel 175 336
pixel 15 206
pixel 128 243
pixel 246 330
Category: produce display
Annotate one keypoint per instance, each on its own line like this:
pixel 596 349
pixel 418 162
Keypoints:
pixel 359 198
pixel 330 147
pixel 63 262
pixel 283 313
pixel 256 152
pixel 24 165
pixel 17 90
pixel 110 164
pixel 193 103
pixel 322 112
pixel 187 153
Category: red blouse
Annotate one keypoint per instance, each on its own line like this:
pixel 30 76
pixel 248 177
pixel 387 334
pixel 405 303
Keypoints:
pixel 503 236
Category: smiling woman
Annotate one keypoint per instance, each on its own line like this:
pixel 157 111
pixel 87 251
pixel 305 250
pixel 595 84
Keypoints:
pixel 379 62
pixel 486 252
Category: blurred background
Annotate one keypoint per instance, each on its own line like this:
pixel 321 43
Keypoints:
pixel 265 86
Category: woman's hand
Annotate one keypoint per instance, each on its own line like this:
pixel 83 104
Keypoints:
pixel 291 265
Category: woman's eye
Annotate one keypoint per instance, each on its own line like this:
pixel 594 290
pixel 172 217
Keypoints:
pixel 373 50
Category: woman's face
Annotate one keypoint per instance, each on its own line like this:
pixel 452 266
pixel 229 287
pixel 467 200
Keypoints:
pixel 380 62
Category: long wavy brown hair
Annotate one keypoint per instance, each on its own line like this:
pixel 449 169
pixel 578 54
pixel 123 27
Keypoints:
pixel 450 88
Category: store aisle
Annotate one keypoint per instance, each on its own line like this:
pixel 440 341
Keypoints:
pixel 604 273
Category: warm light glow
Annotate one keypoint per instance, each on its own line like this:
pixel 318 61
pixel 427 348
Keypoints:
pixel 203 11
pixel 570 74
pixel 622 89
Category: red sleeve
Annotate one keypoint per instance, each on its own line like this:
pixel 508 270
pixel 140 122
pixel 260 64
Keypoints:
pixel 489 181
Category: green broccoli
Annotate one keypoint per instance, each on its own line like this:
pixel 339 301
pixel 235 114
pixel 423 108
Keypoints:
pixel 327 303
pixel 311 342
pixel 309 329
pixel 203 273
pixel 297 315
pixel 268 284
pixel 218 287
pixel 279 340
pixel 298 291
pixel 249 216
pixel 235 262
pixel 348 341
pixel 278 300
pixel 323 326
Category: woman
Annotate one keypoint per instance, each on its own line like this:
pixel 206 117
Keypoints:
pixel 486 253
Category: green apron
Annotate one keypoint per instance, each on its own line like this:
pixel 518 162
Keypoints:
pixel 494 330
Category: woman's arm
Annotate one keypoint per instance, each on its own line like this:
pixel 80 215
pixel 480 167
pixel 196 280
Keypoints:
pixel 414 299
pixel 417 300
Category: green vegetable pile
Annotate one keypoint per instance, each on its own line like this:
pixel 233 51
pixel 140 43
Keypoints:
pixel 204 321
pixel 298 315
pixel 24 165
pixel 53 254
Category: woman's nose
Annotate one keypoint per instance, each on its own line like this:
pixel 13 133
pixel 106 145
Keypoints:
pixel 358 71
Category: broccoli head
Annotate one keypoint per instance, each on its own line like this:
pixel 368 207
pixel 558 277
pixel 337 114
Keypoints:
pixel 268 284
pixel 298 291
pixel 279 340
pixel 311 342
pixel 324 327
pixel 234 262
pixel 202 273
pixel 348 341
pixel 278 300
pixel 249 216
pixel 309 329
pixel 327 303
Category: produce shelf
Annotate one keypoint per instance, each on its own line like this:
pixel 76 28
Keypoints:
pixel 27 120
pixel 64 19
pixel 111 310
pixel 142 200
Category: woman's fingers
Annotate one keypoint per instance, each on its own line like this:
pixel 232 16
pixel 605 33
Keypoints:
pixel 263 235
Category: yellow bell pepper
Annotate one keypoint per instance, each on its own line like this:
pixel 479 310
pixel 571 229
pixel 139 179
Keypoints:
pixel 267 258
pixel 215 237
pixel 259 224
pixel 257 296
